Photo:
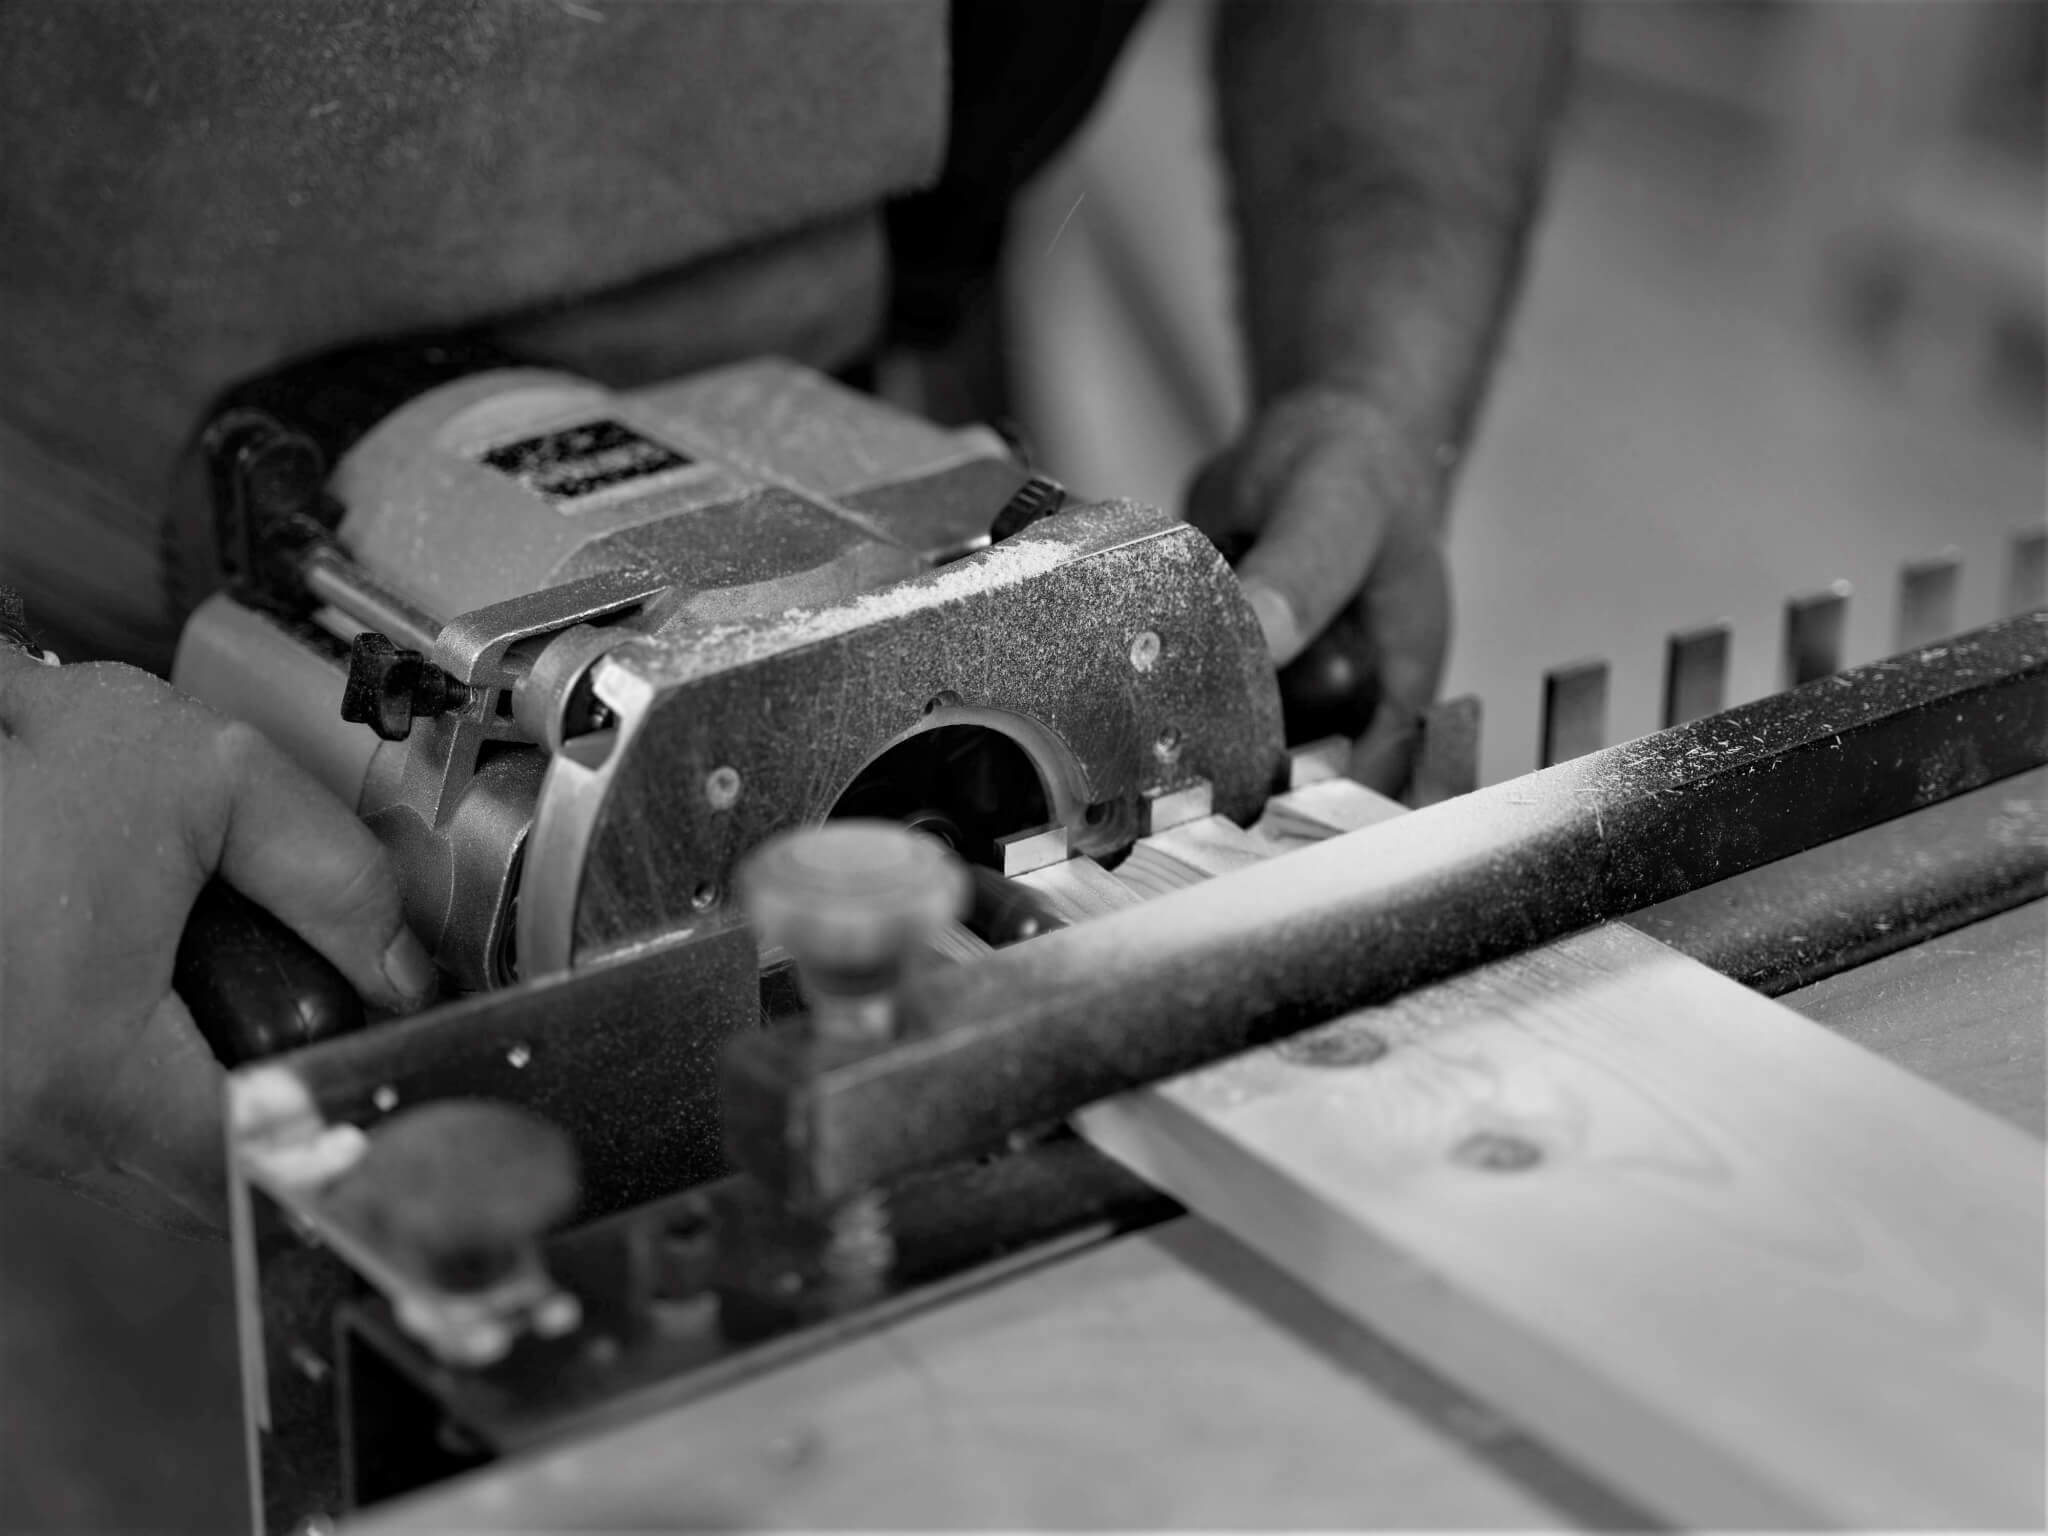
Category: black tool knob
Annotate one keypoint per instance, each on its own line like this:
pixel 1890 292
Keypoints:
pixel 252 985
pixel 389 688
pixel 1332 688
pixel 1004 911
pixel 1036 498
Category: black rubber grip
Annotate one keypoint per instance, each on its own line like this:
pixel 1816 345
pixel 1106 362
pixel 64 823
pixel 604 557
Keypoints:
pixel 1333 687
pixel 254 987
pixel 1003 911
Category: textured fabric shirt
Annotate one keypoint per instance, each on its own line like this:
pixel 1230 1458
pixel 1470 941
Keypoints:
pixel 192 192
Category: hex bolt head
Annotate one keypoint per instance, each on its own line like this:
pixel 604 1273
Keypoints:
pixel 851 901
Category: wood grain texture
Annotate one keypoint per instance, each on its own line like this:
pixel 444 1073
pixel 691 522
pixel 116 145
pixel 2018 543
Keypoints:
pixel 956 944
pixel 1189 854
pixel 1323 809
pixel 1080 889
pixel 1755 1275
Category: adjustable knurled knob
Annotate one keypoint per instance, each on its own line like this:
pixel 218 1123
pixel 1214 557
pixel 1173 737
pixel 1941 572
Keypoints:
pixel 463 1188
pixel 1037 498
pixel 852 902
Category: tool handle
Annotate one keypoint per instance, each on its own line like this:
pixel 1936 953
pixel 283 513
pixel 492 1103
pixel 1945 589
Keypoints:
pixel 1333 687
pixel 253 986
pixel 1003 911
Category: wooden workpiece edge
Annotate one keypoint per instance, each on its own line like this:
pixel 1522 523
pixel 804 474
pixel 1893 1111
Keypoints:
pixel 1748 1273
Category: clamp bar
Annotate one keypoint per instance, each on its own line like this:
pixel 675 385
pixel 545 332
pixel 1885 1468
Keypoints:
pixel 1034 1032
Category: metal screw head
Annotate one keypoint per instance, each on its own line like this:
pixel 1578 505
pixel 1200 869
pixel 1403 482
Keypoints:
pixel 1497 1152
pixel 1145 650
pixel 518 1055
pixel 722 788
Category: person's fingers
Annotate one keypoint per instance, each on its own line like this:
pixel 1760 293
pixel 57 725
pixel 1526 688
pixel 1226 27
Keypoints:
pixel 139 795
pixel 292 847
pixel 1384 756
pixel 1217 505
pixel 1407 607
pixel 272 830
pixel 1319 540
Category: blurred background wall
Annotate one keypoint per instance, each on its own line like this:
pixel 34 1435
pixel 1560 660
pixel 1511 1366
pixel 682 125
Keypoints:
pixel 1783 327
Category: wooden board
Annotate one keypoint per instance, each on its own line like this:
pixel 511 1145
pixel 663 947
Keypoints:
pixel 1190 853
pixel 1080 889
pixel 1323 809
pixel 1753 1274
pixel 957 945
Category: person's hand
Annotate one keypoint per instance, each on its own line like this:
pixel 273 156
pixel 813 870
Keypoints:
pixel 118 799
pixel 1343 511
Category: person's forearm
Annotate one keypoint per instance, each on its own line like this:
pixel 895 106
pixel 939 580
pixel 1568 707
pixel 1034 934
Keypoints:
pixel 1386 158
